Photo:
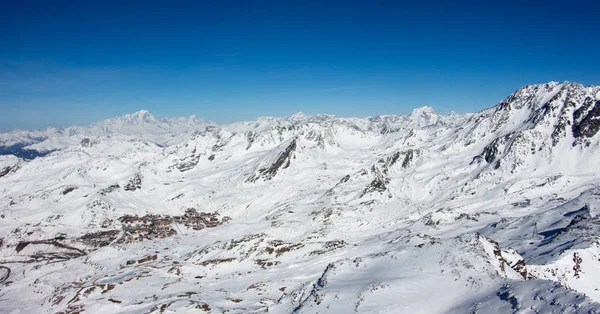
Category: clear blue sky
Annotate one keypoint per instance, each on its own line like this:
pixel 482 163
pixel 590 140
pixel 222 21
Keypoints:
pixel 76 62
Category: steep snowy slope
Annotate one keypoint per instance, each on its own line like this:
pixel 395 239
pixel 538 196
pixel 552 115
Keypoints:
pixel 489 212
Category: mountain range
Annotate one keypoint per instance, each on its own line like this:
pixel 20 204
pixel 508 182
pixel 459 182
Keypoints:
pixel 489 212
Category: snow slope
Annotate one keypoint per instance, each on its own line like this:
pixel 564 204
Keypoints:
pixel 495 211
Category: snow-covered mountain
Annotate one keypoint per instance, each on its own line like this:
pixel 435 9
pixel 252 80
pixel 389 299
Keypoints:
pixel 492 212
pixel 138 126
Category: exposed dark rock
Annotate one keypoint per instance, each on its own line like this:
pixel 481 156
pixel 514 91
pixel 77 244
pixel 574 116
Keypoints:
pixel 281 247
pixel 586 123
pixel 250 137
pixel 316 137
pixel 6 170
pixel 265 263
pixel 524 203
pixel 519 266
pixel 465 216
pixel 110 189
pixel 4 273
pixel 135 183
pixel 379 184
pixel 491 151
pixel 577 267
pixel 560 128
pixel 65 252
pixel 187 163
pixel 218 147
pixel 100 239
pixel 345 179
pixel 147 259
pixel 429 221
pixel 383 165
pixel 283 161
pixel 221 142
pixel 86 142
pixel 68 190
pixel 392 159
pixel 330 246
pixel 21 246
pixel 204 307
pixel 217 261
pixel 506 295
pixel 386 129
pixel 178 196
pixel 313 295
pixel 408 157
pixel 578 114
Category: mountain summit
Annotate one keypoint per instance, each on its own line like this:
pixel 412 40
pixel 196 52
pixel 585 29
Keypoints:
pixel 424 116
pixel 497 209
pixel 142 116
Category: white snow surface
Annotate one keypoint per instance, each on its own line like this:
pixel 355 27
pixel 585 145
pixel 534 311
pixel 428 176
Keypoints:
pixel 492 212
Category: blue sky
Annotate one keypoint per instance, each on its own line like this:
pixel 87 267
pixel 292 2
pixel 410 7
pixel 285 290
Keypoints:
pixel 76 62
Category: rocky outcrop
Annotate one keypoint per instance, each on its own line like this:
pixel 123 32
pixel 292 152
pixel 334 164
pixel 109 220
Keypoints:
pixel 87 142
pixel 187 163
pixel 283 161
pixel 586 121
pixel 6 170
pixel 379 184
pixel 134 184
pixel 109 189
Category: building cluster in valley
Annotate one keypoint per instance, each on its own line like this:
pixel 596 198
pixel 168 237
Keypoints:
pixel 139 228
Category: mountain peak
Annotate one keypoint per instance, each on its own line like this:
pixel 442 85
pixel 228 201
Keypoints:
pixel 425 110
pixel 141 116
pixel 424 116
pixel 298 116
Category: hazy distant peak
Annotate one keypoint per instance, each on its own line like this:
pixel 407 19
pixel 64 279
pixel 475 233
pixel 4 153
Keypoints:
pixel 425 110
pixel 142 116
pixel 297 115
pixel 424 116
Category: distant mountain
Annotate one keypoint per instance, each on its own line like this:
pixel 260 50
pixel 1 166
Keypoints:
pixel 495 212
pixel 142 125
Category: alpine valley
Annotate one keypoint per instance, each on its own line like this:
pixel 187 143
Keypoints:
pixel 491 212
